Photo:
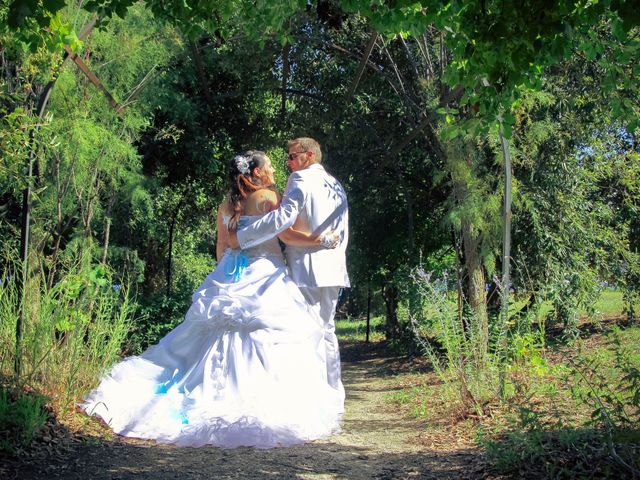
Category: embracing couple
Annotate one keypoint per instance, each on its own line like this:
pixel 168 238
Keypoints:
pixel 256 360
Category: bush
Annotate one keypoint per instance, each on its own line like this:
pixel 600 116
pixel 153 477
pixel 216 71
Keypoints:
pixel 163 312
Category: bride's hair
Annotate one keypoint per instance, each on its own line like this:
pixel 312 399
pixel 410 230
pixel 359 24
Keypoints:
pixel 243 182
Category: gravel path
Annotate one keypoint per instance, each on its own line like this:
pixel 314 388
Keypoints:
pixel 377 442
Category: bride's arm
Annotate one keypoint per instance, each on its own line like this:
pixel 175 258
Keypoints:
pixel 296 238
pixel 268 200
pixel 222 242
pixel 290 236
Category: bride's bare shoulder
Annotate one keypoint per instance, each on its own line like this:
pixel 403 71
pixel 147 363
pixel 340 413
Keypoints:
pixel 262 201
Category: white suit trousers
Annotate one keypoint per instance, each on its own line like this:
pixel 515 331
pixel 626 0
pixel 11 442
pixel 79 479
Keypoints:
pixel 323 301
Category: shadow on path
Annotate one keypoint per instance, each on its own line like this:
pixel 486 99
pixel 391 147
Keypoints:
pixel 376 443
pixel 327 461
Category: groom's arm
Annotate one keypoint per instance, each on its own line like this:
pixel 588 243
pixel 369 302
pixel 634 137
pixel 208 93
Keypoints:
pixel 274 222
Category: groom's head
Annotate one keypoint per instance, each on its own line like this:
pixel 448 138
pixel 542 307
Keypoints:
pixel 303 152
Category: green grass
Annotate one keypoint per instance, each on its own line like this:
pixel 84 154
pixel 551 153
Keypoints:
pixel 72 333
pixel 609 305
pixel 352 329
pixel 21 415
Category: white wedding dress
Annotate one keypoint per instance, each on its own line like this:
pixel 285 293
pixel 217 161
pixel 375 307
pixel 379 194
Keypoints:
pixel 246 367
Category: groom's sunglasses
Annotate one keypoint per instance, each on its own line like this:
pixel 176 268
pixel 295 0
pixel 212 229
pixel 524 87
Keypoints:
pixel 292 156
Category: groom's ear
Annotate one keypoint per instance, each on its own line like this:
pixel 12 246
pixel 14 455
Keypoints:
pixel 310 158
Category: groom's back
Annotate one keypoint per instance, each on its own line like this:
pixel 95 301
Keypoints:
pixel 325 208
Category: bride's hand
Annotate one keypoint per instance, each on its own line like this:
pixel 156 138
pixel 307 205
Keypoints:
pixel 329 239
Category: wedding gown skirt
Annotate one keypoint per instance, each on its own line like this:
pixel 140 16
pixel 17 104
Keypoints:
pixel 246 367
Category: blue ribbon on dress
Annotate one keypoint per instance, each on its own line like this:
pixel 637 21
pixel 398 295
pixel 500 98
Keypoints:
pixel 236 266
pixel 163 389
pixel 179 415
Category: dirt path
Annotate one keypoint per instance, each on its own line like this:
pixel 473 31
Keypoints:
pixel 377 442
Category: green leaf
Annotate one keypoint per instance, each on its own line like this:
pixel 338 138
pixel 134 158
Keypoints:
pixel 507 130
pixel 450 132
pixel 589 50
pixel 509 119
pixel 618 30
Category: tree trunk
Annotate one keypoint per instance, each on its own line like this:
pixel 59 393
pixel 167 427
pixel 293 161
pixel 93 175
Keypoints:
pixel 368 312
pixel 476 286
pixel 506 233
pixel 202 76
pixel 363 64
pixel 285 78
pixel 391 303
pixel 169 260
pixel 461 159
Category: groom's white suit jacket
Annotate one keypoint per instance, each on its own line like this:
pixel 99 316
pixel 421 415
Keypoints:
pixel 313 202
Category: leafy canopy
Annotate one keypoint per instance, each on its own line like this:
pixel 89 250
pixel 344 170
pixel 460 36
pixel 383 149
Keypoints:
pixel 497 47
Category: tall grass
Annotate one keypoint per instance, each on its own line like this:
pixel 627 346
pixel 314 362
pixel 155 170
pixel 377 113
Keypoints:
pixel 454 345
pixel 72 331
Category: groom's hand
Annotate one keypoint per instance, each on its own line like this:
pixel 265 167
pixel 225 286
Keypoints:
pixel 233 240
pixel 329 240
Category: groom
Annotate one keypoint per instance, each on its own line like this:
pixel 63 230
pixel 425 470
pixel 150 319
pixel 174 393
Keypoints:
pixel 313 202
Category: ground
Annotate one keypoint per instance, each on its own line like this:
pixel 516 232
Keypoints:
pixel 378 441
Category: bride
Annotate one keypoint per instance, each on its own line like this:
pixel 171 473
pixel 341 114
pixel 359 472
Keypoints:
pixel 247 365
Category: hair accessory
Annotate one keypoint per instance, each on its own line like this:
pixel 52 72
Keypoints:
pixel 242 164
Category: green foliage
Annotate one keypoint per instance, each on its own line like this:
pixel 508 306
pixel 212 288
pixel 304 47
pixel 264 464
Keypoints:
pixel 62 34
pixel 454 344
pixel 14 142
pixel 605 382
pixel 20 417
pixel 126 264
pixel 610 385
pixel 496 47
pixel 476 203
pixel 573 226
pixel 560 453
pixel 144 185
pixel 72 332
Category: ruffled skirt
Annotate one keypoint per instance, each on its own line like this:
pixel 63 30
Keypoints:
pixel 246 367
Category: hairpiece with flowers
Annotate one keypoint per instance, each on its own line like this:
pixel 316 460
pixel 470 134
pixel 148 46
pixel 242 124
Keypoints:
pixel 242 164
